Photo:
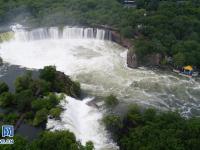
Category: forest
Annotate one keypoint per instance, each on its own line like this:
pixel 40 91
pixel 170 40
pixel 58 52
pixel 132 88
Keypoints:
pixel 149 129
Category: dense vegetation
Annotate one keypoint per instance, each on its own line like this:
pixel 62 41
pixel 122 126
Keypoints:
pixel 58 140
pixel 171 28
pixel 151 130
pixel 54 12
pixel 35 99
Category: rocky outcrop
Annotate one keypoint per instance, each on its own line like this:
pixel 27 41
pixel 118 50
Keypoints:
pixel 153 59
pixel 116 37
pixel 66 85
pixel 132 61
pixel 149 60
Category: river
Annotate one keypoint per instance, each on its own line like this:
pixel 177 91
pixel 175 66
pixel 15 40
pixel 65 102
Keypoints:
pixel 99 65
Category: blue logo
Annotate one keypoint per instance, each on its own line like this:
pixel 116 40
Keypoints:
pixel 7 131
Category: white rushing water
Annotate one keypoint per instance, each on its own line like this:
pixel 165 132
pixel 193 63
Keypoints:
pixel 84 122
pixel 100 67
pixel 60 33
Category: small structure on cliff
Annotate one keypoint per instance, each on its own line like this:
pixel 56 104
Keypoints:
pixel 129 3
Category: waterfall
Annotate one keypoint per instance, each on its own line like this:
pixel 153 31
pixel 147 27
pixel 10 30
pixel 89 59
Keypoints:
pixel 65 33
pixel 84 122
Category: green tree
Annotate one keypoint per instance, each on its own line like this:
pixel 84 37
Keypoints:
pixel 89 146
pixel 38 104
pixel 179 59
pixel 127 32
pixel 48 73
pixel 62 140
pixel 10 118
pixel 3 87
pixel 24 99
pixel 40 87
pixel 55 112
pixel 114 124
pixel 6 99
pixel 40 117
pixel 23 82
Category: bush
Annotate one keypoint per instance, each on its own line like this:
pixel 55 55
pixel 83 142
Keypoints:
pixel 113 123
pixel 10 118
pixel 89 145
pixel 55 112
pixel 111 101
pixel 3 87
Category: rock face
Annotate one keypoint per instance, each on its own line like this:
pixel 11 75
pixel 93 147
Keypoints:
pixel 116 37
pixel 132 61
pixel 153 59
pixel 66 85
pixel 149 60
